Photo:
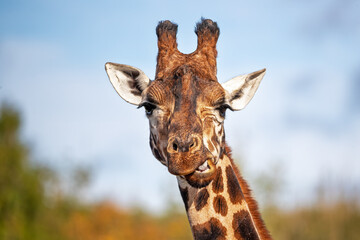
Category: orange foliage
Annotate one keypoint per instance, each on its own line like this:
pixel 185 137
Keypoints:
pixel 106 222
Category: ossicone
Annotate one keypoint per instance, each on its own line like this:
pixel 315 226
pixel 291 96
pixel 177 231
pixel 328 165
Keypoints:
pixel 166 32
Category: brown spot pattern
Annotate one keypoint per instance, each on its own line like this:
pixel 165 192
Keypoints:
pixel 234 190
pixel 220 205
pixel 185 196
pixel 201 199
pixel 213 229
pixel 243 226
pixel 218 185
pixel 252 204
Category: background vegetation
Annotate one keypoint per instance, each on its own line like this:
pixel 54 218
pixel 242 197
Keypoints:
pixel 34 205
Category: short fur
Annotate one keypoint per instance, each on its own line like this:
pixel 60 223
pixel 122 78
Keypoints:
pixel 210 230
pixel 202 199
pixel 253 206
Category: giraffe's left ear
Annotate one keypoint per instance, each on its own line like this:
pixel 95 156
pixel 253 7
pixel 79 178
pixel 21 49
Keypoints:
pixel 128 81
pixel 241 89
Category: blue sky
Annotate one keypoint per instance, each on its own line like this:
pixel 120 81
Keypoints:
pixel 304 117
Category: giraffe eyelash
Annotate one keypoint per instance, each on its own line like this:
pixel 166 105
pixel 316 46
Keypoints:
pixel 222 109
pixel 149 107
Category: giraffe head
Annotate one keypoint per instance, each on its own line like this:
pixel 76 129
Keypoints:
pixel 185 104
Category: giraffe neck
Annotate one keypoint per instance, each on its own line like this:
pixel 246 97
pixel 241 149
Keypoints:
pixel 224 209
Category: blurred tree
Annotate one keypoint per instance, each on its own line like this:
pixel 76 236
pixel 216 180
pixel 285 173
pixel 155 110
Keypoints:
pixel 22 193
pixel 26 210
pixel 107 221
pixel 268 184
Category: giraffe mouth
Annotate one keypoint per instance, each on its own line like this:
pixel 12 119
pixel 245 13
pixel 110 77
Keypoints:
pixel 206 168
pixel 202 175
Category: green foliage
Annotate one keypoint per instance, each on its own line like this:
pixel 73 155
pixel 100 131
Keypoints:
pixel 26 210
pixel 340 220
pixel 21 187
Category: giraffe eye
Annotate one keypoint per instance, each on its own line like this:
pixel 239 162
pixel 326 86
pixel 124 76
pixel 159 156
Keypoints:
pixel 222 110
pixel 149 108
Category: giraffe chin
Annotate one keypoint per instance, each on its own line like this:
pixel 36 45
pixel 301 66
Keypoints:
pixel 200 179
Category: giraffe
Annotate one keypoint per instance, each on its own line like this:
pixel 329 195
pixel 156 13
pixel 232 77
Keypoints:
pixel 186 107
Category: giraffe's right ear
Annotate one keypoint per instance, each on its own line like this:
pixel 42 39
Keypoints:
pixel 129 82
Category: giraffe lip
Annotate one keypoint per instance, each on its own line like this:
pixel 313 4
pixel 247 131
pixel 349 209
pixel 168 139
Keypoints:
pixel 205 170
pixel 201 178
pixel 203 167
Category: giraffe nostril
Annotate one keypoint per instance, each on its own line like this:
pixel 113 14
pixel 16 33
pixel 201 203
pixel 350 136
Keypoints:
pixel 175 147
pixel 195 144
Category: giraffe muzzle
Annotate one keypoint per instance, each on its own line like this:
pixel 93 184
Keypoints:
pixel 187 155
pixel 190 144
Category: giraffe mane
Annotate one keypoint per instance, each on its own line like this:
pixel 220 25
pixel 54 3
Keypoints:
pixel 252 203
